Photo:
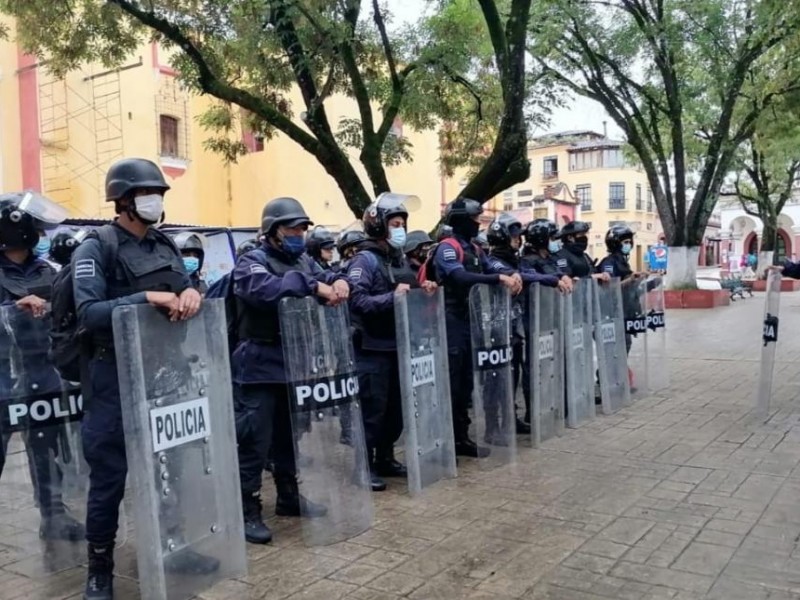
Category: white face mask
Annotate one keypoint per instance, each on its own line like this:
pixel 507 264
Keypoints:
pixel 150 207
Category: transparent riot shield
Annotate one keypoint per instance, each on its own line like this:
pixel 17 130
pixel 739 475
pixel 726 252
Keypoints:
pixel 658 369
pixel 546 358
pixel 322 382
pixel 610 341
pixel 634 309
pixel 493 418
pixel 579 353
pixel 425 385
pixel 772 305
pixel 43 477
pixel 177 413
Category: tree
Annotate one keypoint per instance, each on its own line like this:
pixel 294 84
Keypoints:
pixel 685 81
pixel 453 69
pixel 767 168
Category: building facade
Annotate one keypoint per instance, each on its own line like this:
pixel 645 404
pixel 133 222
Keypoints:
pixel 583 175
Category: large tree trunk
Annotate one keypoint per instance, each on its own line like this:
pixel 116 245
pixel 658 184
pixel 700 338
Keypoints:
pixel 682 267
pixel 769 242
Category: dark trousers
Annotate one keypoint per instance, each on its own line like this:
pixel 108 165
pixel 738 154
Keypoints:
pixel 379 391
pixel 263 424
pixel 521 369
pixel 104 449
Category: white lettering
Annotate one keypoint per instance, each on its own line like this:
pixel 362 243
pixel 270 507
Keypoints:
pixel 423 370
pixel 179 424
pixel 608 333
pixel 324 391
pixel 45 409
pixel 494 357
pixel 547 346
pixel 577 338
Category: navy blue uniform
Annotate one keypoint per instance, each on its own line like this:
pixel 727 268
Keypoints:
pixel 373 275
pixel 546 265
pixel 574 265
pixel 457 277
pixel 262 278
pixel 791 269
pixel 616 265
pixel 152 263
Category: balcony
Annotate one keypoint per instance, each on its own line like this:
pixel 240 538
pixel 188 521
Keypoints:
pixel 616 203
pixel 549 175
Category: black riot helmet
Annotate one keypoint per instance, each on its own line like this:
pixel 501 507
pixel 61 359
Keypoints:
pixel 502 228
pixel 349 239
pixel 23 215
pixel 64 243
pixel 444 231
pixel 282 211
pixel 131 174
pixel 539 232
pixel 189 241
pixel 318 239
pixel 574 228
pixel 416 240
pixel 246 246
pixel 378 214
pixel 616 235
pixel 461 214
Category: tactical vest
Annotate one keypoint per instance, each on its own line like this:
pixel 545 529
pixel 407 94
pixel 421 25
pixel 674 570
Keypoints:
pixel 140 269
pixel 578 265
pixel 544 266
pixel 456 296
pixel 38 282
pixel 377 325
pixel 263 324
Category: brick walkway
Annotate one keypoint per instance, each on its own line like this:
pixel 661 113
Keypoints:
pixel 685 496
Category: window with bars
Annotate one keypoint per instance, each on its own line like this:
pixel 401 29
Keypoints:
pixel 639 205
pixel 550 167
pixel 168 130
pixel 584 195
pixel 649 200
pixel 616 196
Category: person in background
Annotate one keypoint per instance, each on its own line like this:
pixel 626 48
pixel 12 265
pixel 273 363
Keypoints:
pixel 193 252
pixel 416 249
pixel 319 246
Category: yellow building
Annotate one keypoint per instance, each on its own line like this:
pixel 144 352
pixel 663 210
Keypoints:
pixel 61 135
pixel 583 175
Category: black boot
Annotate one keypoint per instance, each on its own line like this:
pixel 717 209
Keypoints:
pixel 61 526
pixel 387 466
pixel 255 531
pixel 466 447
pixel 100 579
pixel 523 428
pixel 291 503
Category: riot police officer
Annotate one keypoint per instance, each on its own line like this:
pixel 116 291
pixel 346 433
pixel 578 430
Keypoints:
pixel 418 243
pixel 277 269
pixel 319 245
pixel 541 248
pixel 505 238
pixel 194 253
pixel 458 264
pixel 246 246
pixel 572 259
pixel 619 243
pixel 64 244
pixel 26 282
pixel 347 245
pixel 148 269
pixel 376 273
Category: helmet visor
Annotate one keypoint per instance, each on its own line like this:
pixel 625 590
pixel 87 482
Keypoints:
pixel 392 201
pixel 42 209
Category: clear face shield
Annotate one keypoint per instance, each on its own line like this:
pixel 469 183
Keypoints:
pixel 48 213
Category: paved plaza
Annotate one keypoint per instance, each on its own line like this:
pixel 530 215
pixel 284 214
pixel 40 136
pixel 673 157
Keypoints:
pixel 682 496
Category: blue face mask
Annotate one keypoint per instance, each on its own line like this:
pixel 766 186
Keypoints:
pixel 191 263
pixel 554 246
pixel 397 237
pixel 42 247
pixel 293 245
pixel 626 248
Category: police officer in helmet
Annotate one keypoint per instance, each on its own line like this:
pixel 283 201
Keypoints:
pixel 148 269
pixel 246 246
pixel 319 245
pixel 572 259
pixel 458 271
pixel 64 244
pixel 541 248
pixel 26 282
pixel 193 250
pixel 376 273
pixel 347 245
pixel 417 246
pixel 279 268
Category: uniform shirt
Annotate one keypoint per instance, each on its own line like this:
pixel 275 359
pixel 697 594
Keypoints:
pixel 616 265
pixel 573 265
pixel 503 266
pixel 20 275
pixel 791 269
pixel 90 280
pixel 546 265
pixel 254 362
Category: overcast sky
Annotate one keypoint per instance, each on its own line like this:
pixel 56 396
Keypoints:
pixel 579 114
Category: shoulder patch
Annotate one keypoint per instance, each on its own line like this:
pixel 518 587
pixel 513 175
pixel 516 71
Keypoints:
pixel 84 268
pixel 256 268
pixel 609 268
pixel 449 254
pixel 355 273
pixel 561 262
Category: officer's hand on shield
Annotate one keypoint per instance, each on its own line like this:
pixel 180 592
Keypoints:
pixel 511 283
pixel 565 285
pixel 34 305
pixel 328 294
pixel 402 288
pixel 189 303
pixel 341 289
pixel 604 277
pixel 429 287
pixel 167 301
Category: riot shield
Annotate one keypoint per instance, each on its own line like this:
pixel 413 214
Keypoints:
pixel 772 305
pixel 610 341
pixel 425 387
pixel 657 360
pixel 546 362
pixel 579 353
pixel 321 378
pixel 43 477
pixel 177 413
pixel 634 309
pixel 493 418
